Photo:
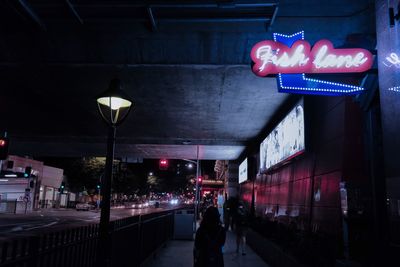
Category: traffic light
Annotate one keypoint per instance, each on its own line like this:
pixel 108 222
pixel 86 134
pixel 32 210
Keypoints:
pixel 98 187
pixel 28 171
pixel 61 189
pixel 3 148
pixel 200 179
pixel 163 164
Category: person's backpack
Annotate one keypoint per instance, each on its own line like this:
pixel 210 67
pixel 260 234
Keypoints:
pixel 213 250
pixel 211 255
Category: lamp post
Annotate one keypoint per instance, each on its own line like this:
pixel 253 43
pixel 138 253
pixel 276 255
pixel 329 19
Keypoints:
pixel 197 193
pixel 190 166
pixel 114 105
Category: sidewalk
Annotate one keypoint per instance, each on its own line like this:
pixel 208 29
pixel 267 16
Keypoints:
pixel 179 253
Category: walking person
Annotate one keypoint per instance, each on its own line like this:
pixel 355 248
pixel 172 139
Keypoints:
pixel 210 238
pixel 230 208
pixel 241 221
pixel 220 203
pixel 227 215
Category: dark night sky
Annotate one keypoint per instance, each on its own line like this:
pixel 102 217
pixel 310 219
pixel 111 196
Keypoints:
pixel 173 178
pixel 207 167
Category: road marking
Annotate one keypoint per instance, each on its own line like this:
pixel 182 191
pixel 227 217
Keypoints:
pixel 41 226
pixel 15 229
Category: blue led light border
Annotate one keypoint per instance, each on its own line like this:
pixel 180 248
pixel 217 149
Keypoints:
pixel 395 89
pixel 300 84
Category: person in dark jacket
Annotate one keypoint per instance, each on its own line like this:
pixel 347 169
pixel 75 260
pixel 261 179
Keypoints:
pixel 210 238
pixel 230 208
pixel 241 227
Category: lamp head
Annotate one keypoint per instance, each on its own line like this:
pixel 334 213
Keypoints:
pixel 114 104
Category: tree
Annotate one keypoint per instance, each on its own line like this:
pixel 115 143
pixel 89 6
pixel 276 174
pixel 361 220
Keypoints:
pixel 80 172
pixel 126 181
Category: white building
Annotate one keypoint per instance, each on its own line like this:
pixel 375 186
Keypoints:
pixel 26 193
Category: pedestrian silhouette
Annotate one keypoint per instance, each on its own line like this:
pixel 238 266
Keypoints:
pixel 210 238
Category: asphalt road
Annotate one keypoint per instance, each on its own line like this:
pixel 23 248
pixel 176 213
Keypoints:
pixel 18 225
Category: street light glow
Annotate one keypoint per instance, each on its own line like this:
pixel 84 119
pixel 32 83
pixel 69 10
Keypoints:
pixel 114 102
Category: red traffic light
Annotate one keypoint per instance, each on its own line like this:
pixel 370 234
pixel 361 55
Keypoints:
pixel 163 164
pixel 200 179
pixel 3 142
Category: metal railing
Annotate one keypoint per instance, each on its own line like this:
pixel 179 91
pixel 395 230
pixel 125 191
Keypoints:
pixel 8 206
pixel 133 239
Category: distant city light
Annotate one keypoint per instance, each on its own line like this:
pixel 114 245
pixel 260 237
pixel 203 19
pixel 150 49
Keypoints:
pixel 151 173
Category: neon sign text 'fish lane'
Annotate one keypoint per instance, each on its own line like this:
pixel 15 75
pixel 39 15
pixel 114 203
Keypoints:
pixel 272 57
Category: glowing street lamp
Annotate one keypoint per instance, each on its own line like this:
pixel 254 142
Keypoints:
pixel 114 106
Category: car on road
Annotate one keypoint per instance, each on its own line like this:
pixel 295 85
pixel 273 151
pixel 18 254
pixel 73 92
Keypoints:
pixel 84 206
pixel 154 203
pixel 137 205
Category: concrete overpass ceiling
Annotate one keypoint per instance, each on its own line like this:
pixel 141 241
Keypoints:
pixel 185 63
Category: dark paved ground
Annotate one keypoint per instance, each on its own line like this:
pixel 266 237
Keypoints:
pixel 167 256
pixel 17 225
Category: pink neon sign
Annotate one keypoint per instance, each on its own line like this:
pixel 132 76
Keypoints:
pixel 272 57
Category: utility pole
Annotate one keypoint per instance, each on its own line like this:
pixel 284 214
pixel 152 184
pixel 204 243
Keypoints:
pixel 196 202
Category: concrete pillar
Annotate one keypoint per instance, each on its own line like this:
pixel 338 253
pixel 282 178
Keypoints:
pixel 232 179
pixel 388 46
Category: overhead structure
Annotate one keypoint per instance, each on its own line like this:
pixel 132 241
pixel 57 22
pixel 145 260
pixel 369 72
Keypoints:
pixel 188 62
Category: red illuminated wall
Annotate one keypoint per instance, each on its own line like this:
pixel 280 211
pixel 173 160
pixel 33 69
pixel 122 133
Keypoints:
pixel 306 190
pixel 246 191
